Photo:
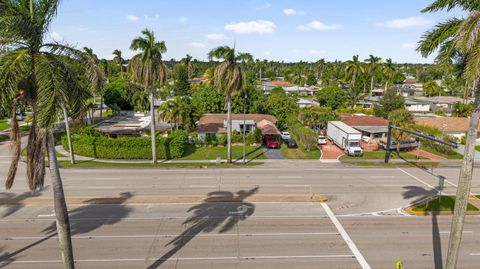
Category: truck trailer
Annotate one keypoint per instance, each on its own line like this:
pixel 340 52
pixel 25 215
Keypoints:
pixel 345 137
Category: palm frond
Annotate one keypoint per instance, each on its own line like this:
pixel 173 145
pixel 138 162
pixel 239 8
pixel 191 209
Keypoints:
pixel 451 4
pixel 14 67
pixel 434 38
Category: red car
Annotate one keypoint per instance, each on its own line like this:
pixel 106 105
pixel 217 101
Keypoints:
pixel 271 142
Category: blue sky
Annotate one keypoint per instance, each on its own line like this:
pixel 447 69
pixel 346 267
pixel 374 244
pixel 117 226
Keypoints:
pixel 288 30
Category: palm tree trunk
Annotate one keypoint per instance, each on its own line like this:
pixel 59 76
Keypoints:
pixel 101 107
pixel 464 185
pixel 371 84
pixel 61 211
pixel 69 136
pixel 229 128
pixel 152 127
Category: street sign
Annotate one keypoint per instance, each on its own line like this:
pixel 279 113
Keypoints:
pixel 399 265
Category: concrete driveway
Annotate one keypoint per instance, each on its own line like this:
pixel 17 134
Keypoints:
pixel 274 154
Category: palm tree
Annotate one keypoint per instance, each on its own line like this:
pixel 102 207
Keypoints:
pixel 148 70
pixel 49 81
pixel 458 36
pixel 229 77
pixel 389 71
pixel 169 112
pixel 96 76
pixel 373 62
pixel 188 62
pixel 320 68
pixel 353 68
pixel 119 60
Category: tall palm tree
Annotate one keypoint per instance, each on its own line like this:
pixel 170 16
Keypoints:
pixel 229 77
pixel 453 37
pixel 148 70
pixel 119 60
pixel 353 68
pixel 320 68
pixel 389 71
pixel 373 62
pixel 96 76
pixel 188 62
pixel 41 75
pixel 169 112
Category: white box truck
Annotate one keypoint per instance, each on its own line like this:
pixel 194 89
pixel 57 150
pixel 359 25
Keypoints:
pixel 345 137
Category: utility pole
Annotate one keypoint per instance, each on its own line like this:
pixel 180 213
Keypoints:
pixel 244 127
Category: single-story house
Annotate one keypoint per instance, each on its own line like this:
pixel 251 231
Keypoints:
pixel 302 91
pixel 444 103
pixel 453 126
pixel 376 92
pixel 216 124
pixel 268 86
pixel 368 102
pixel 417 106
pixel 373 127
pixel 305 103
pixel 135 125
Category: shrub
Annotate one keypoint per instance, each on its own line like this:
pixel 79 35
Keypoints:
pixel 99 146
pixel 306 137
pixel 222 140
pixel 211 139
pixel 178 141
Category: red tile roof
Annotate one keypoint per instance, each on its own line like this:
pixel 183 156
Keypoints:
pixel 353 120
pixel 280 83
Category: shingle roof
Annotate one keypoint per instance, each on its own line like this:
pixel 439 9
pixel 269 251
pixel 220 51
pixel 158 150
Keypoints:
pixel 353 120
pixel 446 124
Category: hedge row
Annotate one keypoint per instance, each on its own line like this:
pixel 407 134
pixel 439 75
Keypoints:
pixel 306 137
pixel 104 147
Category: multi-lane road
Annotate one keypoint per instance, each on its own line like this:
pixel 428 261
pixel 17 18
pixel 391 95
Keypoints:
pixel 155 219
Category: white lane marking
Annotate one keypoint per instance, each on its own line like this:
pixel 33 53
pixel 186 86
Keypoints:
pixel 183 259
pixel 200 178
pixel 46 215
pixel 474 254
pixel 417 179
pixel 168 235
pixel 358 255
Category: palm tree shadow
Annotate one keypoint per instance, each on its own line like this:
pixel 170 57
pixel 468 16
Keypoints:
pixel 83 219
pixel 222 209
pixel 4 258
pixel 17 201
pixel 421 195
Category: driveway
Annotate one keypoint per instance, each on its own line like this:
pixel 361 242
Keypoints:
pixel 273 154
pixel 461 150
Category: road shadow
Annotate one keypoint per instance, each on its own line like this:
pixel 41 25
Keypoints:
pixel 97 213
pixel 222 209
pixel 16 202
pixel 248 156
pixel 421 195
pixel 4 258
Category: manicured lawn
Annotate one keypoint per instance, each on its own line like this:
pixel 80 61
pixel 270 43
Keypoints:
pixel 443 203
pixel 24 128
pixel 4 125
pixel 94 164
pixel 477 148
pixel 379 155
pixel 382 164
pixel 453 156
pixel 211 153
pixel 298 153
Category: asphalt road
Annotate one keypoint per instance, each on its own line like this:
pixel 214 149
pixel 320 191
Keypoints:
pixel 361 226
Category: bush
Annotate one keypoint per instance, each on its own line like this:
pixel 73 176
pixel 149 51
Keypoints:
pixel 178 141
pixel 306 137
pixel 99 146
pixel 211 139
pixel 222 140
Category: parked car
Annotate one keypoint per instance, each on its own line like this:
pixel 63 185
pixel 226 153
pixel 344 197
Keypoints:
pixel 291 143
pixel 322 140
pixel 285 136
pixel 366 139
pixel 271 142
pixel 19 116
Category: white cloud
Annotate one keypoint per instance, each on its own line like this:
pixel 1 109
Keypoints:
pixel 405 22
pixel 132 18
pixel 316 52
pixel 408 46
pixel 183 19
pixel 56 36
pixel 151 18
pixel 258 26
pixel 214 36
pixel 318 25
pixel 268 5
pixel 197 45
pixel 291 12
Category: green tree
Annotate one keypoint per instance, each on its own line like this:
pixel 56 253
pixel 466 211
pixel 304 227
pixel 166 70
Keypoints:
pixel 187 61
pixel 462 110
pixel 431 88
pixel 118 60
pixel 49 81
pixel 332 96
pixel 373 62
pixel 401 118
pixel 148 70
pixel 318 117
pixel 229 78
pixel 390 101
pixel 281 105
pixel 459 36
pixel 389 71
pixel 207 99
pixel 353 69
pixel 311 80
pixel 181 86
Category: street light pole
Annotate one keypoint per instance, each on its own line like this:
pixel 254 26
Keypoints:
pixel 244 127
